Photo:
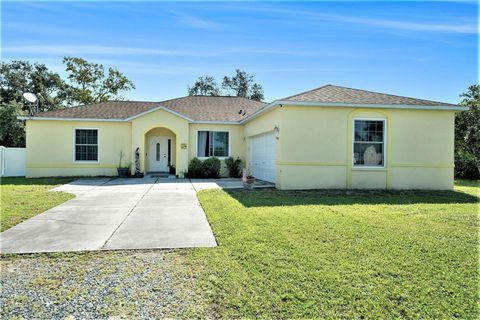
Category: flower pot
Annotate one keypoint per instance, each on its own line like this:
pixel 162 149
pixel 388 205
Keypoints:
pixel 248 182
pixel 122 172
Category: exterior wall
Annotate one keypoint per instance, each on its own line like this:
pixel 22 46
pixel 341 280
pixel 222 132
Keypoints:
pixel 422 149
pixel 50 146
pixel 316 149
pixel 162 119
pixel 314 153
pixel 160 132
pixel 264 123
pixel 313 146
pixel 236 141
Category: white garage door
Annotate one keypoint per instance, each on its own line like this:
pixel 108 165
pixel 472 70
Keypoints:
pixel 262 156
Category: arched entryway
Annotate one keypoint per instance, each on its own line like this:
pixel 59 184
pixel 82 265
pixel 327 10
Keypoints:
pixel 160 150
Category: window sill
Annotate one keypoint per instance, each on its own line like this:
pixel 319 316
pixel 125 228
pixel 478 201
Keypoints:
pixel 369 168
pixel 219 158
pixel 86 162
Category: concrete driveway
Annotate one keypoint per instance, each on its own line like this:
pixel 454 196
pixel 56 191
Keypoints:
pixel 116 214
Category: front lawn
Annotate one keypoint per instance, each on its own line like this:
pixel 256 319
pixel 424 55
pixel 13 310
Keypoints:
pixel 315 254
pixel 23 198
pixel 281 254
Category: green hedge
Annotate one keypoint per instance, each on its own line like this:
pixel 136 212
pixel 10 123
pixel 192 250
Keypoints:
pixel 210 168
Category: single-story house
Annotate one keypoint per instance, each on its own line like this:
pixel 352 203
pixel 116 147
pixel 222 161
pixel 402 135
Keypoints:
pixel 329 137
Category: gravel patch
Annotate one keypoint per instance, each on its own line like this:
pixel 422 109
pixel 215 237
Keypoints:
pixel 101 285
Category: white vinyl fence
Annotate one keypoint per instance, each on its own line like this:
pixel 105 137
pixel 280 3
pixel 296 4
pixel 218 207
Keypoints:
pixel 12 162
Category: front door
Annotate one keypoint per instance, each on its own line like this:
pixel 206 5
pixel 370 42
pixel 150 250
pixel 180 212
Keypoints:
pixel 159 154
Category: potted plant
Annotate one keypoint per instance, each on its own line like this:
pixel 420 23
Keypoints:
pixel 122 171
pixel 172 169
pixel 247 179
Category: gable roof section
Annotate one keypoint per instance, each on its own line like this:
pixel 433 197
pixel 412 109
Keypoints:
pixel 192 108
pixel 336 94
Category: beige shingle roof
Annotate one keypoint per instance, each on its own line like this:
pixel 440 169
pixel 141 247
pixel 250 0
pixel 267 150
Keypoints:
pixel 205 108
pixel 331 93
pixel 198 108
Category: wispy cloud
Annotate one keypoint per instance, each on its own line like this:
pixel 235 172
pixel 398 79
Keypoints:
pixel 197 23
pixel 93 50
pixel 445 27
pixel 196 51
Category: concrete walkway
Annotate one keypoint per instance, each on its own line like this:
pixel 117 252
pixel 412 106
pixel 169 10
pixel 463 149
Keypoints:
pixel 116 214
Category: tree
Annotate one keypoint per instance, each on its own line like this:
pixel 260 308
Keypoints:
pixel 204 86
pixel 90 84
pixel 12 130
pixel 467 135
pixel 17 77
pixel 243 85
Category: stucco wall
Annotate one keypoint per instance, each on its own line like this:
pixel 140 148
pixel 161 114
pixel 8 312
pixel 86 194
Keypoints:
pixel 236 140
pixel 50 146
pixel 316 149
pixel 162 119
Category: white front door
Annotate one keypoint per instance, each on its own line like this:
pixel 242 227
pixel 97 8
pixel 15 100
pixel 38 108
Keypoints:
pixel 262 156
pixel 158 154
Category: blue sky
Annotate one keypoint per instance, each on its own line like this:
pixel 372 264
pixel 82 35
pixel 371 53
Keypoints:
pixel 420 49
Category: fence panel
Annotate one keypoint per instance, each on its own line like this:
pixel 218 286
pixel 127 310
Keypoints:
pixel 12 162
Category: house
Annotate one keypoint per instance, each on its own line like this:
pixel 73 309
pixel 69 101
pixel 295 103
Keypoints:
pixel 329 137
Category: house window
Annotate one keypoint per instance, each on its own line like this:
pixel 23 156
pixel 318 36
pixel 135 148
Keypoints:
pixel 86 145
pixel 212 144
pixel 369 143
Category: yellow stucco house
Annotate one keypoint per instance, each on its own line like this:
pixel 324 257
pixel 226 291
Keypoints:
pixel 329 137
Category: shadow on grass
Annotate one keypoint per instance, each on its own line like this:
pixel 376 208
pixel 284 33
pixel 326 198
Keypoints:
pixel 35 181
pixel 272 198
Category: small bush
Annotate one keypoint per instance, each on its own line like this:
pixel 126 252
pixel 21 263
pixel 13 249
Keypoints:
pixel 195 168
pixel 211 168
pixel 234 167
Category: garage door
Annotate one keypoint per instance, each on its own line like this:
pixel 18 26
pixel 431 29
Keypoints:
pixel 262 156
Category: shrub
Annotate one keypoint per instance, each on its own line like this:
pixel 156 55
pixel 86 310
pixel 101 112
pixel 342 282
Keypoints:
pixel 466 165
pixel 234 167
pixel 211 168
pixel 195 169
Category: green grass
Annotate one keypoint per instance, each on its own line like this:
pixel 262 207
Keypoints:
pixel 313 254
pixel 23 198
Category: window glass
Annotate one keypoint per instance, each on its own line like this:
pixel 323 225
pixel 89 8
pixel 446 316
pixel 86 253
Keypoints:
pixel 212 144
pixel 86 145
pixel 157 151
pixel 368 146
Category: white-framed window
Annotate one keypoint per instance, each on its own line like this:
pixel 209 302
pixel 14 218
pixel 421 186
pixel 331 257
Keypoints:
pixel 86 145
pixel 212 144
pixel 369 143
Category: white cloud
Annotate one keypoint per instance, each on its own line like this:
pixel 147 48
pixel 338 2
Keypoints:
pixel 94 50
pixel 446 27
